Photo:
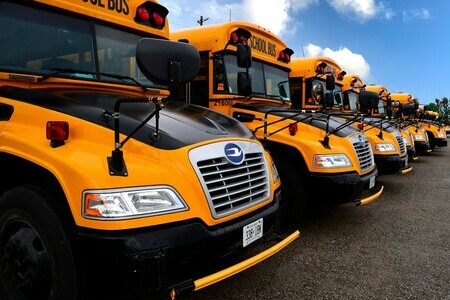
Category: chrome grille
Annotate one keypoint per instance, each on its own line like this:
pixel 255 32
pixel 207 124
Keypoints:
pixel 401 142
pixel 363 151
pixel 229 187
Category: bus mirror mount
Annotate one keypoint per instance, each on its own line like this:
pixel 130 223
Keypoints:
pixel 244 84
pixel 167 62
pixel 244 56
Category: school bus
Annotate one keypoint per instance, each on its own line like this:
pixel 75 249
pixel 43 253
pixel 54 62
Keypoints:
pixel 435 129
pixel 319 83
pixel 112 190
pixel 406 108
pixel 244 73
pixel 390 112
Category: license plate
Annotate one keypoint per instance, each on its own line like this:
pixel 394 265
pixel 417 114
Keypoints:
pixel 372 182
pixel 252 232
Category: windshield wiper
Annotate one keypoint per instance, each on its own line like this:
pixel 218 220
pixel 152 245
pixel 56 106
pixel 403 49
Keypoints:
pixel 76 71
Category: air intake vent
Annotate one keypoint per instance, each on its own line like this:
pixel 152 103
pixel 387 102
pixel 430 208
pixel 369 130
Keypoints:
pixel 231 187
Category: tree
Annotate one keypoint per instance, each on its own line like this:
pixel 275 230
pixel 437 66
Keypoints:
pixel 441 106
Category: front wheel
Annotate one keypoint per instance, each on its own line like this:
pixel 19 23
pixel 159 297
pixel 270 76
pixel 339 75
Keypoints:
pixel 294 196
pixel 36 259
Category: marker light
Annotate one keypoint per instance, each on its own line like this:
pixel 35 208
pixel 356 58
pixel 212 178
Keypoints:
pixel 320 69
pixel 293 128
pixel 157 19
pixel 341 75
pixel 142 14
pixel 57 131
pixel 151 14
pixel 233 37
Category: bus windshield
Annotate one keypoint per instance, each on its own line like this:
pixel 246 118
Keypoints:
pixel 267 81
pixel 44 42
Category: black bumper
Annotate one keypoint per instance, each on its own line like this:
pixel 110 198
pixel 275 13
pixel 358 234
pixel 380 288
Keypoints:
pixel 388 164
pixel 340 188
pixel 146 263
pixel 422 147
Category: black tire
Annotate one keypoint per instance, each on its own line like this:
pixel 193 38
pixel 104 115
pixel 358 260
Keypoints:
pixel 293 190
pixel 36 258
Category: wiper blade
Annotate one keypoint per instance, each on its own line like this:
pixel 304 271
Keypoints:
pixel 83 72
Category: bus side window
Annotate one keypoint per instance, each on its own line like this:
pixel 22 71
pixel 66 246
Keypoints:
pixel 199 85
pixel 296 92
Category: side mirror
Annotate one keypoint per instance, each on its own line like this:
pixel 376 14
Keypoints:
pixel 244 56
pixel 244 84
pixel 368 100
pixel 409 109
pixel 167 62
pixel 330 83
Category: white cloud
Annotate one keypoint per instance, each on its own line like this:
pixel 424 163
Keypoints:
pixel 352 63
pixel 275 16
pixel 362 10
pixel 422 13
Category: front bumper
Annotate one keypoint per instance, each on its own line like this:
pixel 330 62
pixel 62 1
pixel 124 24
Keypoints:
pixel 422 147
pixel 388 164
pixel 149 262
pixel 343 188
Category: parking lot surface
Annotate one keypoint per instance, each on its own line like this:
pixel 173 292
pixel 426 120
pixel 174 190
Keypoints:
pixel 397 247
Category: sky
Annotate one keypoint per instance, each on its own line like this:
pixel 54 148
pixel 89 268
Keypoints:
pixel 401 44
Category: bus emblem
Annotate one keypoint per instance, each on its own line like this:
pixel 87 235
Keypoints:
pixel 234 154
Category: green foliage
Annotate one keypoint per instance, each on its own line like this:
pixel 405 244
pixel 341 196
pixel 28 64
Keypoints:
pixel 442 106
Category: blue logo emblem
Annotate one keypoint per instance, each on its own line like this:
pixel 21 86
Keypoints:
pixel 234 154
pixel 361 140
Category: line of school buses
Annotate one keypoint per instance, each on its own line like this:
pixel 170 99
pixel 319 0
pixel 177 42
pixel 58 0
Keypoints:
pixel 143 163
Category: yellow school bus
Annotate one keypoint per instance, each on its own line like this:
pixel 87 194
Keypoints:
pixel 404 106
pixel 244 73
pixel 386 110
pixel 428 119
pixel 319 82
pixel 112 190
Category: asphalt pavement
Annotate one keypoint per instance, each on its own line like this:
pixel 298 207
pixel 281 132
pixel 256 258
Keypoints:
pixel 397 247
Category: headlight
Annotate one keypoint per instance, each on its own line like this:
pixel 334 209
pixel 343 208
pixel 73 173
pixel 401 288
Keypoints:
pixel 385 147
pixel 131 203
pixel 418 137
pixel 331 161
pixel 405 141
pixel 441 135
pixel 275 174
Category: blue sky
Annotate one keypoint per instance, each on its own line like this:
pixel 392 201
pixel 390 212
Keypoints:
pixel 401 44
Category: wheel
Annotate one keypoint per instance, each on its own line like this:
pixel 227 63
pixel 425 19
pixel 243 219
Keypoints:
pixel 293 191
pixel 36 260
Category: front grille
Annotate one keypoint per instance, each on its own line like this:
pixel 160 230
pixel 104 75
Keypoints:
pixel 230 188
pixel 363 151
pixel 401 142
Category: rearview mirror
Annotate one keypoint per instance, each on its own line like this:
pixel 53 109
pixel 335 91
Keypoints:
pixel 167 62
pixel 244 56
pixel 244 84
pixel 368 100
pixel 330 83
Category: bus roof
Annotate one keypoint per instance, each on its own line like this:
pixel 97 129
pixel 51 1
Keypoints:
pixel 402 97
pixel 306 66
pixel 381 90
pixel 120 13
pixel 351 81
pixel 265 44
